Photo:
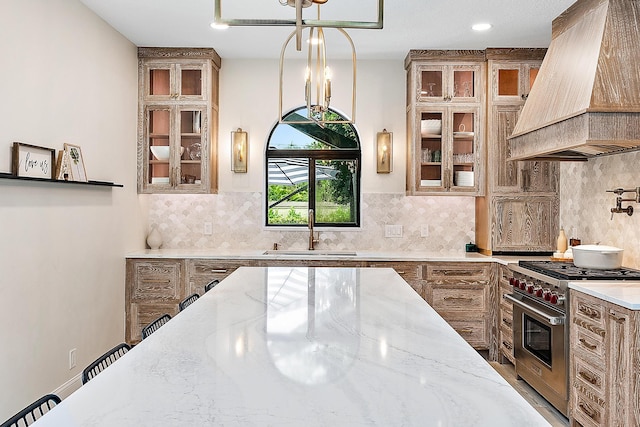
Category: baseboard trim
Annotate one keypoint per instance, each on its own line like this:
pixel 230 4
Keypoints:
pixel 69 387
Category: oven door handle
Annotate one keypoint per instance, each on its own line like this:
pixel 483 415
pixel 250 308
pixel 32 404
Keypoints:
pixel 552 320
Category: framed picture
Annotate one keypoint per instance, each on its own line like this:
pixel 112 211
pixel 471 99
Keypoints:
pixel 33 161
pixel 77 171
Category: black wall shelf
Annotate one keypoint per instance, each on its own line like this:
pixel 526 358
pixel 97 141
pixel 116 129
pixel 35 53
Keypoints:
pixel 4 175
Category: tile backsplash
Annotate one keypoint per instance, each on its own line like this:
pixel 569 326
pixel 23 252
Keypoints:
pixel 585 205
pixel 237 223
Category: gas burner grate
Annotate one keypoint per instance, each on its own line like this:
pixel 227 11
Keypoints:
pixel 568 271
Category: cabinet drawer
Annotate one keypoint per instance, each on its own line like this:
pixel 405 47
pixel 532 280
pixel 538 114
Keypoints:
pixel 156 280
pixel 469 299
pixel 588 343
pixel 588 313
pixel 473 331
pixel 506 344
pixel 586 411
pixel 459 272
pixel 506 319
pixel 210 268
pixel 203 271
pixel 589 378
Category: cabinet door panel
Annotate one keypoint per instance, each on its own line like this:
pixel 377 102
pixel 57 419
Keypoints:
pixel 525 223
pixel 157 281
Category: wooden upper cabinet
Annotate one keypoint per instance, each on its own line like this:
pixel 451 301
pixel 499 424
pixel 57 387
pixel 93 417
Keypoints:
pixel 177 120
pixel 449 83
pixel 167 80
pixel 445 122
pixel 512 82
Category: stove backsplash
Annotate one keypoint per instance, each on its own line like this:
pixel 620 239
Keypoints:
pixel 585 205
pixel 237 220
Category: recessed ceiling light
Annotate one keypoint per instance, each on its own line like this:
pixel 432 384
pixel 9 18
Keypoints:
pixel 481 27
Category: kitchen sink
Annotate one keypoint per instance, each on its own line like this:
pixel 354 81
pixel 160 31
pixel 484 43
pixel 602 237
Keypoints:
pixel 309 253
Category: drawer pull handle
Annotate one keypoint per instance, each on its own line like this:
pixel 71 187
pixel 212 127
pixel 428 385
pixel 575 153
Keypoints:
pixel 156 281
pixel 506 322
pixel 588 377
pixel 457 299
pixel 588 345
pixel 589 312
pixel 587 410
pixel 616 318
pixel 507 345
pixel 465 331
pixel 219 270
pixel 400 272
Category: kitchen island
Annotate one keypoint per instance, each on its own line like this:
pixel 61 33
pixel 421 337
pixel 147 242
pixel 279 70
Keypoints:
pixel 292 346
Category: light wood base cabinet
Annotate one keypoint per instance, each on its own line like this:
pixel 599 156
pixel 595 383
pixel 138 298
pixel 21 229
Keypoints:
pixel 462 294
pixel 604 363
pixel 504 332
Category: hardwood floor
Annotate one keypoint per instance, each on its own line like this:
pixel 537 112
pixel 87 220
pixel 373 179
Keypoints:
pixel 551 414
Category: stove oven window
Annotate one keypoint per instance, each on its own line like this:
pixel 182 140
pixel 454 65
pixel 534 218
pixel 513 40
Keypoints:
pixel 536 339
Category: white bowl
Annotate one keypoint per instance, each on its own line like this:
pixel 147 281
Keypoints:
pixel 161 152
pixel 597 257
pixel 431 126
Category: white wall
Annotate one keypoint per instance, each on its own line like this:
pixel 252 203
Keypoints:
pixel 66 76
pixel 249 99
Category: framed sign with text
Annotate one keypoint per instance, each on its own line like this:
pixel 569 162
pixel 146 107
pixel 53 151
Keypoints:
pixel 33 161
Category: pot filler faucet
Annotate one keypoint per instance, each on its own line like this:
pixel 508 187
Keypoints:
pixel 312 240
pixel 629 209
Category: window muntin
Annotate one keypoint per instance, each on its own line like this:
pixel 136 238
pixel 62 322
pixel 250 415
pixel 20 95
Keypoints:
pixel 330 154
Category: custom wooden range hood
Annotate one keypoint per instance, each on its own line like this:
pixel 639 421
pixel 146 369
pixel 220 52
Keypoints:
pixel 586 99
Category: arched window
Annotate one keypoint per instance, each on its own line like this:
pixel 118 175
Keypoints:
pixel 330 155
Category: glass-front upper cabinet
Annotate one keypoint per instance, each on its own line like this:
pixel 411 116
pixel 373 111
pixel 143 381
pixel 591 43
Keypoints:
pixel 174 154
pixel 165 80
pixel 178 111
pixel 512 81
pixel 447 152
pixel 445 122
pixel 448 83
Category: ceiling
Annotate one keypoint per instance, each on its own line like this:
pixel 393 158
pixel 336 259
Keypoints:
pixel 414 24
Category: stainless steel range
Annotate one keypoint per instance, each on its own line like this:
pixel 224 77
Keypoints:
pixel 540 331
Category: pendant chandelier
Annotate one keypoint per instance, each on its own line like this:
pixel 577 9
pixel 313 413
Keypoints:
pixel 315 82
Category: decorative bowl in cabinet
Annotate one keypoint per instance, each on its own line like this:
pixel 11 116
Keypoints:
pixel 161 152
pixel 430 127
pixel 598 257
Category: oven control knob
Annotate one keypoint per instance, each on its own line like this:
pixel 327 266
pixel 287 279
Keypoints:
pixel 523 285
pixel 546 294
pixel 539 292
pixel 553 299
pixel 512 281
pixel 516 283
pixel 530 288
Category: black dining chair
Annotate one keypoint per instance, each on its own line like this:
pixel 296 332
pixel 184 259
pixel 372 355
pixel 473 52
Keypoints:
pixel 188 301
pixel 155 325
pixel 31 413
pixel 210 285
pixel 102 362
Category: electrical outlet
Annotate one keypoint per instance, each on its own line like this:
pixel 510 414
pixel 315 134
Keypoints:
pixel 72 358
pixel 424 231
pixel 208 229
pixel 392 231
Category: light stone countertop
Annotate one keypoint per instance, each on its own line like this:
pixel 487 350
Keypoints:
pixel 300 346
pixel 321 254
pixel 623 293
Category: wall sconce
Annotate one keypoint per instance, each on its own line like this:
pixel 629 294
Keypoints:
pixel 239 151
pixel 384 155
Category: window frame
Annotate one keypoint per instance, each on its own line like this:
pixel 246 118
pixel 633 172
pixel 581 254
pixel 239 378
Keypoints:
pixel 312 155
